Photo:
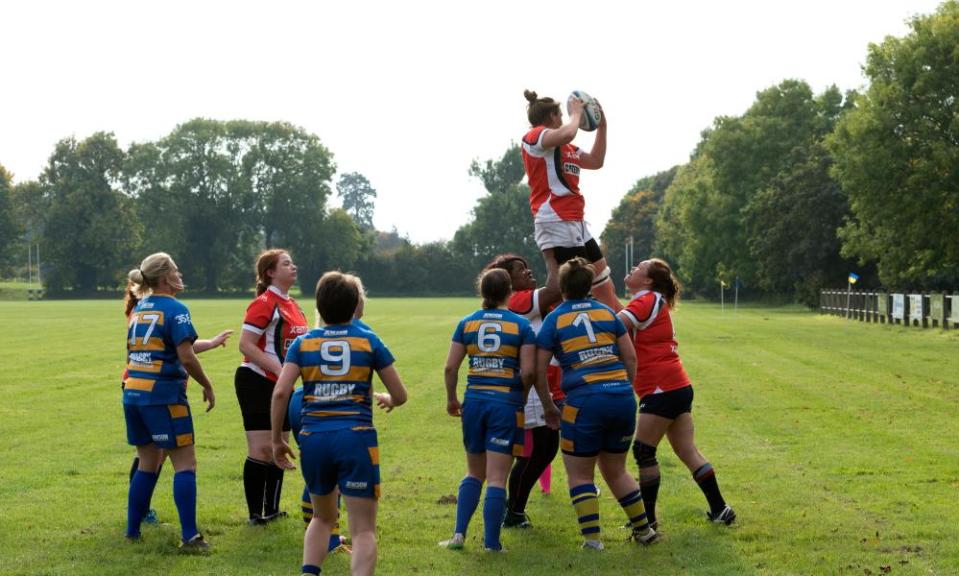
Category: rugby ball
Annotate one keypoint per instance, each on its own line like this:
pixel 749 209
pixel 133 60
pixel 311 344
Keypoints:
pixel 592 113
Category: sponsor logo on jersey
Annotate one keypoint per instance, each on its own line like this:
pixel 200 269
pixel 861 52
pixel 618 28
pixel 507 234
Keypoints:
pixel 597 354
pixel 571 168
pixel 331 392
pixel 582 305
pixel 335 333
pixel 485 363
pixel 142 358
pixel 493 315
pixel 182 318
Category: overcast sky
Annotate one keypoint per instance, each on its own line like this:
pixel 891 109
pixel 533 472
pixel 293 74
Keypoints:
pixel 409 93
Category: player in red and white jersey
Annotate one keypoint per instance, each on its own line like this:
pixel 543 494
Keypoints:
pixel 553 164
pixel 272 322
pixel 533 304
pixel 664 390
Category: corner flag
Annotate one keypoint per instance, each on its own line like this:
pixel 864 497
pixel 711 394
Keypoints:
pixel 853 277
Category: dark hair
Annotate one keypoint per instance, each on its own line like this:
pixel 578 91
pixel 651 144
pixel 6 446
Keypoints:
pixel 664 281
pixel 336 297
pixel 576 278
pixel 505 262
pixel 266 262
pixel 538 110
pixel 494 286
pixel 130 300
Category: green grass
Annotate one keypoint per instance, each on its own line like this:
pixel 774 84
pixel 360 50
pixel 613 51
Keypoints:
pixel 835 441
pixel 13 290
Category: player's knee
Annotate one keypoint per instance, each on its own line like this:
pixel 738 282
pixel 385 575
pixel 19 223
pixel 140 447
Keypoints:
pixel 602 277
pixel 644 454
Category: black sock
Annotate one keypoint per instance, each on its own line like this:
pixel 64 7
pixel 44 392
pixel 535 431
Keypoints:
pixel 134 467
pixel 273 489
pixel 650 487
pixel 526 471
pixel 706 478
pixel 254 484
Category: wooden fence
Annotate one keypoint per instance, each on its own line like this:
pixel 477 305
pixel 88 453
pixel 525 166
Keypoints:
pixel 935 309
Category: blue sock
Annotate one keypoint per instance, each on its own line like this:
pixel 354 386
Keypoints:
pixel 466 503
pixel 311 569
pixel 494 508
pixel 184 495
pixel 138 500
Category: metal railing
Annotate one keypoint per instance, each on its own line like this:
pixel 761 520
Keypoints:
pixel 924 309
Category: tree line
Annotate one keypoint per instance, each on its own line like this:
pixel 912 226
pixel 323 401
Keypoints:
pixel 804 188
pixel 214 193
pixel 785 199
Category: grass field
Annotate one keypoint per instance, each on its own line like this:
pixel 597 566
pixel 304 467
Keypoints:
pixel 837 443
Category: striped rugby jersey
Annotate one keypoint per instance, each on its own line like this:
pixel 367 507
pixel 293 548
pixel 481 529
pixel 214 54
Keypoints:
pixel 553 176
pixel 157 325
pixel 493 339
pixel 337 364
pixel 582 335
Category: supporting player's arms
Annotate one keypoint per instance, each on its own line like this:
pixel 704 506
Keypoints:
pixel 191 363
pixel 628 353
pixel 550 411
pixel 282 453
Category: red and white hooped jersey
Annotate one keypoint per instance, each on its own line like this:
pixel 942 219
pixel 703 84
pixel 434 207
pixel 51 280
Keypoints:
pixel 659 368
pixel 278 321
pixel 553 175
pixel 526 304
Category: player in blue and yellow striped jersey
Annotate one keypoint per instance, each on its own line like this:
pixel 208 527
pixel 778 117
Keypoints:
pixel 339 447
pixel 160 357
pixel 502 349
pixel 599 363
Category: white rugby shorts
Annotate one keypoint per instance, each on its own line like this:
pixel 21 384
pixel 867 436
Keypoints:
pixel 562 234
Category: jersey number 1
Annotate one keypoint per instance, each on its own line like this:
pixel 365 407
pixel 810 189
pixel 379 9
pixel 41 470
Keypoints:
pixel 583 318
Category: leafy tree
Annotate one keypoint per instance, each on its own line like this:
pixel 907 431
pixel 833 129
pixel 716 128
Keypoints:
pixel 92 229
pixel 635 217
pixel 704 228
pixel 792 228
pixel 358 197
pixel 501 219
pixel 335 245
pixel 897 157
pixel 9 230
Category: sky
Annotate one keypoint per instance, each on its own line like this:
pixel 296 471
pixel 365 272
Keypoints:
pixel 410 93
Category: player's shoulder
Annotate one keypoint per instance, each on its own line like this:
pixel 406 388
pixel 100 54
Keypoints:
pixel 533 135
pixel 522 302
pixel 263 301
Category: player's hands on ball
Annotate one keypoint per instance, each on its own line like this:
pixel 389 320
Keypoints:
pixel 602 114
pixel 283 456
pixel 575 107
pixel 454 408
pixel 384 401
